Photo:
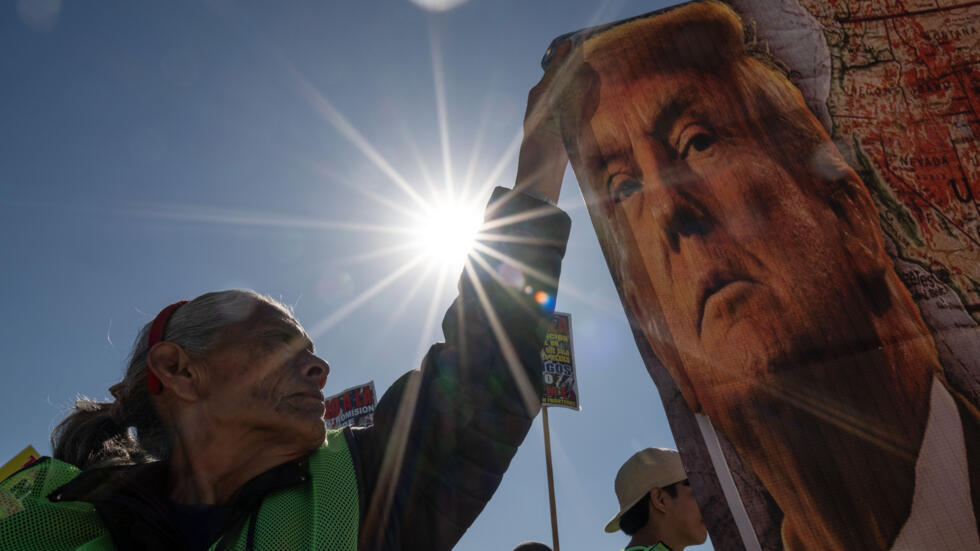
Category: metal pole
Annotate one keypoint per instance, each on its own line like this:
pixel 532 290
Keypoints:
pixel 551 479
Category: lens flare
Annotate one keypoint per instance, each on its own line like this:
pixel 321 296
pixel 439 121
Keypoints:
pixel 447 232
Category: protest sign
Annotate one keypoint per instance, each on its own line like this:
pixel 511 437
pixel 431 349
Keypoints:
pixel 27 456
pixel 558 365
pixel 353 407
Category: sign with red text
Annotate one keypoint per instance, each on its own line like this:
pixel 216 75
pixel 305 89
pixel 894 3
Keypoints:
pixel 27 456
pixel 353 407
pixel 558 365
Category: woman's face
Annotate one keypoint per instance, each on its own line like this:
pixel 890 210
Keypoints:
pixel 262 375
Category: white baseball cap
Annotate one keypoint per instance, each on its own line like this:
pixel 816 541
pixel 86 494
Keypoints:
pixel 647 469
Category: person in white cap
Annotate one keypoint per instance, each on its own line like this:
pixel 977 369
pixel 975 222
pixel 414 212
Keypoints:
pixel 656 503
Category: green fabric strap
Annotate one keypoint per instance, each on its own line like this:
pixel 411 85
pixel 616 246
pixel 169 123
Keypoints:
pixel 659 547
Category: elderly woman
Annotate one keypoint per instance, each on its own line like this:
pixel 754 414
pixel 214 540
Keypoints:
pixel 216 438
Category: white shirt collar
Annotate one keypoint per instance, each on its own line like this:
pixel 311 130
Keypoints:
pixel 942 515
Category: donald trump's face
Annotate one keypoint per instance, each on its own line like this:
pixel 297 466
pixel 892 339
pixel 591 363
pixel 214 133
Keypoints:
pixel 740 249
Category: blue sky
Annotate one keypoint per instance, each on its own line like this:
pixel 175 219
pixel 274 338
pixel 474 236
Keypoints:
pixel 155 151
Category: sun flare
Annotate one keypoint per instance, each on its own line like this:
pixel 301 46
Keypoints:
pixel 433 220
pixel 446 232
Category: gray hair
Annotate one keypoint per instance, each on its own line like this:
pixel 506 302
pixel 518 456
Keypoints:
pixel 97 434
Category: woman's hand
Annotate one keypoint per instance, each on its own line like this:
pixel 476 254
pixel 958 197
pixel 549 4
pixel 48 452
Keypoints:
pixel 542 160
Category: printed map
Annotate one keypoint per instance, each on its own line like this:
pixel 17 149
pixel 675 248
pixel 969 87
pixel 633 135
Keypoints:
pixel 897 84
pixel 905 102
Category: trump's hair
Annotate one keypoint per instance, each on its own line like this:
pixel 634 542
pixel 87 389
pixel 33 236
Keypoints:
pixel 709 38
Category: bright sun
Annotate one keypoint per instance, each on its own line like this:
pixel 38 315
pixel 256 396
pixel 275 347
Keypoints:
pixel 446 232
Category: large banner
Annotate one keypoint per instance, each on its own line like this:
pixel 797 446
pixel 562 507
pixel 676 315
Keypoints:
pixel 558 365
pixel 787 193
pixel 353 407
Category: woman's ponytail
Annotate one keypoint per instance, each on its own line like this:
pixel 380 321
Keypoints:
pixel 90 436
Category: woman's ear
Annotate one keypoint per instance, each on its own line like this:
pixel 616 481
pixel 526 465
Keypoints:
pixel 176 372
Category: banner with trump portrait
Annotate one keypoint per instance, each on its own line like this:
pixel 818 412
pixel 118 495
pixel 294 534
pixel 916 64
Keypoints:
pixel 787 195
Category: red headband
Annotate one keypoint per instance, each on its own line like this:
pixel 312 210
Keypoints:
pixel 157 329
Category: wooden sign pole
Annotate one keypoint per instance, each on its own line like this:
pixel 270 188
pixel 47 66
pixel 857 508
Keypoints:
pixel 551 479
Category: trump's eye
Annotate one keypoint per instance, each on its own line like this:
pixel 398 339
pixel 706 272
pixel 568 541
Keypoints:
pixel 624 188
pixel 695 138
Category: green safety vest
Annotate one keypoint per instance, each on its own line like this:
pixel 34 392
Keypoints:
pixel 323 514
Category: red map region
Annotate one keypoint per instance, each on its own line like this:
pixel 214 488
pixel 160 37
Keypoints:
pixel 905 101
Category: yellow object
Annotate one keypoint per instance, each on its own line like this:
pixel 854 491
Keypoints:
pixel 21 460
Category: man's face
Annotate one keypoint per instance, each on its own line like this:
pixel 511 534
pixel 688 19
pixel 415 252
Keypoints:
pixel 731 265
pixel 263 375
pixel 684 516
